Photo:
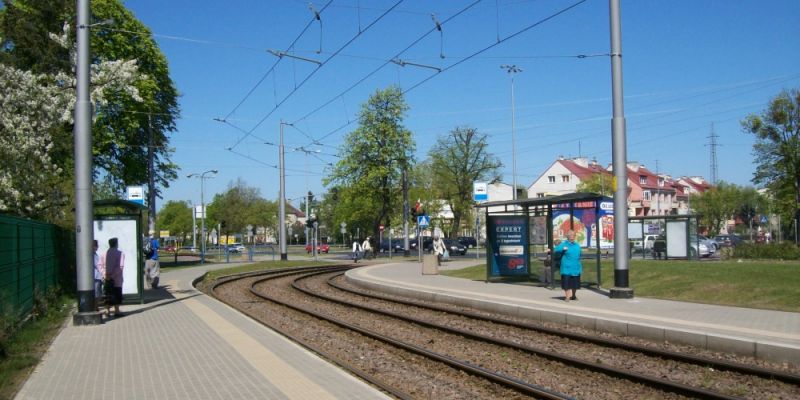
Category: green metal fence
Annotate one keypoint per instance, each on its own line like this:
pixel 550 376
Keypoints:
pixel 35 257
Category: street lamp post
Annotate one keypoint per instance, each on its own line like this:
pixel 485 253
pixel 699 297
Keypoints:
pixel 282 206
pixel 203 208
pixel 513 69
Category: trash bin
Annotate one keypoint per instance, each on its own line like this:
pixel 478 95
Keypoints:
pixel 430 265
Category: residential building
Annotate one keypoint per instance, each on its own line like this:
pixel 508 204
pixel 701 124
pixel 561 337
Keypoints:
pixel 648 193
pixel 564 175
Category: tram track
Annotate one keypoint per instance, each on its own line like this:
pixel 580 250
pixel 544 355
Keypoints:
pixel 414 332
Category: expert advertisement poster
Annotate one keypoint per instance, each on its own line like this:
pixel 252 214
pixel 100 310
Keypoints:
pixel 508 236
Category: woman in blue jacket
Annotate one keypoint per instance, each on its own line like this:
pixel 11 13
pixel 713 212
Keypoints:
pixel 571 267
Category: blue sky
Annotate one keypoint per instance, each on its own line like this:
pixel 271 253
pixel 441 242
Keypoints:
pixel 686 65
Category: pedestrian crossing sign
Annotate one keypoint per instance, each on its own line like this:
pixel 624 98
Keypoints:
pixel 423 220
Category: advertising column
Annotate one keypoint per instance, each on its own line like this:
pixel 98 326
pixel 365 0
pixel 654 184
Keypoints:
pixel 508 238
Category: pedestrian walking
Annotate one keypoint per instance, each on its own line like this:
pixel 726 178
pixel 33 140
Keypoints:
pixel 367 248
pixel 356 250
pixel 571 267
pixel 152 267
pixel 438 248
pixel 115 263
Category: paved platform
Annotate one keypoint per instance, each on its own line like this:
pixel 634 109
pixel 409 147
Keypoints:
pixel 182 344
pixel 769 335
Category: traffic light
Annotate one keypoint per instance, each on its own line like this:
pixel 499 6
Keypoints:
pixel 311 219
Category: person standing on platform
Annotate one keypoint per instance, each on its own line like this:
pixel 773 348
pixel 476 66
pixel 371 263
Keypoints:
pixel 99 274
pixel 152 267
pixel 356 250
pixel 571 267
pixel 115 263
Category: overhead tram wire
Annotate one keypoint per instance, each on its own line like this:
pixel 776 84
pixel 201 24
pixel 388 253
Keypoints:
pixel 275 65
pixel 513 35
pixel 266 164
pixel 322 64
pixel 519 32
pixel 386 62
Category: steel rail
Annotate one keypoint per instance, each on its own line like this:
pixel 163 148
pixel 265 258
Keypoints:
pixel 508 381
pixel 650 381
pixel 730 366
pixel 316 349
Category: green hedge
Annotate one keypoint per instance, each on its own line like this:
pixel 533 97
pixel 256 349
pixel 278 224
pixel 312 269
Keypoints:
pixel 773 251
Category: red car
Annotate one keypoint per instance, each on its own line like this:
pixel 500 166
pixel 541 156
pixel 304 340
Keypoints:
pixel 321 248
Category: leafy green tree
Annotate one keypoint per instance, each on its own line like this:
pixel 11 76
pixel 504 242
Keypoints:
pixel 750 204
pixel 716 206
pixel 124 120
pixel 457 160
pixel 176 217
pixel 777 151
pixel 241 205
pixel 373 158
pixel 597 183
pixel 35 178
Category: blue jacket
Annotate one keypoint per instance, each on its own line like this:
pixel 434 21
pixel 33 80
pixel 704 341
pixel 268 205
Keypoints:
pixel 571 259
pixel 154 244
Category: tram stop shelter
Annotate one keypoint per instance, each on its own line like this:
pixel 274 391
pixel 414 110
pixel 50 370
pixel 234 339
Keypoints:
pixel 122 219
pixel 521 231
pixel 666 237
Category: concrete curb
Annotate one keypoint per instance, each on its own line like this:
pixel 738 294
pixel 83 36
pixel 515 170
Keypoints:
pixel 769 351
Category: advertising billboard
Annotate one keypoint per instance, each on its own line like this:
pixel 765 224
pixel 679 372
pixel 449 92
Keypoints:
pixel 508 240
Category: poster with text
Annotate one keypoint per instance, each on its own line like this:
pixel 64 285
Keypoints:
pixel 508 236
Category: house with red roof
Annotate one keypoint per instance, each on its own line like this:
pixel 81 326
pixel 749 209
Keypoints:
pixel 648 193
pixel 564 175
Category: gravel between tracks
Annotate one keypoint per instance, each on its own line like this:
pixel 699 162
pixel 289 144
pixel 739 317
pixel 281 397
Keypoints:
pixel 426 379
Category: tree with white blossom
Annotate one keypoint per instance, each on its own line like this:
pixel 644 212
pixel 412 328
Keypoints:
pixel 32 108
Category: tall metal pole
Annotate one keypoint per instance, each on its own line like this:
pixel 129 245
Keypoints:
pixel 621 289
pixel 282 212
pixel 203 211
pixel 84 229
pixel 513 69
pixel 406 249
pixel 513 141
pixel 307 214
pixel 202 221
pixel 194 226
pixel 151 179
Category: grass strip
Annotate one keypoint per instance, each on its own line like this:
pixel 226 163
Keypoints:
pixel 761 284
pixel 22 351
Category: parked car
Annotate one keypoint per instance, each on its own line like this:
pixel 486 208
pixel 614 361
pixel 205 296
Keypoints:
pixel 712 244
pixel 236 248
pixel 427 244
pixel 454 247
pixel 468 241
pixel 701 245
pixel 395 246
pixel 321 248
pixel 727 240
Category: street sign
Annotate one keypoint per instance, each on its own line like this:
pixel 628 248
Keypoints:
pixel 343 225
pixel 423 220
pixel 380 227
pixel 343 230
pixel 135 194
pixel 480 191
pixel 763 219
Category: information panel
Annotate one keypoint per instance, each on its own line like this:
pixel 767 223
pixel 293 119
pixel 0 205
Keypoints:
pixel 508 237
